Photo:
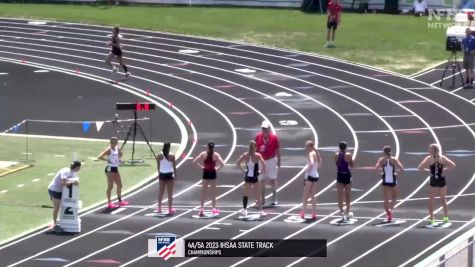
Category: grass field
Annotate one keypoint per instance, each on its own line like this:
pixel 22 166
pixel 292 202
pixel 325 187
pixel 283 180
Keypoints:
pixel 20 205
pixel 403 44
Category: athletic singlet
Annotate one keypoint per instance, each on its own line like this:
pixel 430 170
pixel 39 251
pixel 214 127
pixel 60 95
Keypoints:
pixel 436 169
pixel 389 173
pixel 166 166
pixel 313 171
pixel 341 164
pixel 252 169
pixel 209 164
pixel 115 50
pixel 113 158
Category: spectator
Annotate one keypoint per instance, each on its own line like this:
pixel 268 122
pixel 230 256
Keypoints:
pixel 420 8
pixel 468 47
pixel 333 20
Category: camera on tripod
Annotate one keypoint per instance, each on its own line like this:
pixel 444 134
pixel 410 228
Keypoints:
pixel 452 44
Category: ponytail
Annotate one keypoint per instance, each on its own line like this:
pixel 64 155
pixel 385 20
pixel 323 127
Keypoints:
pixel 166 149
pixel 210 151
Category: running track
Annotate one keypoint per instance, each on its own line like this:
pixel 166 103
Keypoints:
pixel 305 97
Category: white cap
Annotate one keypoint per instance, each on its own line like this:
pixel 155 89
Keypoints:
pixel 265 124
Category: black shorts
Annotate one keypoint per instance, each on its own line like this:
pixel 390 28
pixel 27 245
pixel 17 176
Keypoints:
pixel 388 184
pixel 165 176
pixel 117 52
pixel 54 194
pixel 332 25
pixel 311 179
pixel 343 178
pixel 251 180
pixel 209 175
pixel 437 182
pixel 112 169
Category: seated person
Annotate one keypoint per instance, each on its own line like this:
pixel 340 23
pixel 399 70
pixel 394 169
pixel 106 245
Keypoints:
pixel 420 8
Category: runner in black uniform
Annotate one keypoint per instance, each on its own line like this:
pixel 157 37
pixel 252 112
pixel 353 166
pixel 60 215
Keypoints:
pixel 437 164
pixel 116 52
pixel 252 160
pixel 386 165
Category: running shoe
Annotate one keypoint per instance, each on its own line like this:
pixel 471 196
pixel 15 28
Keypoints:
pixel 314 216
pixel 262 214
pixel 343 217
pixel 127 74
pixel 216 211
pixel 244 212
pixel 112 206
pixel 432 223
pixel 171 211
pixel 202 212
pixel 445 219
pixel 114 69
pixel 123 203
pixel 275 203
pixel 57 228
pixel 302 215
pixel 327 44
pixel 350 215
pixel 159 210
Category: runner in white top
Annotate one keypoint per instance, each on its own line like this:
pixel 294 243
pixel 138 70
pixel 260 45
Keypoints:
pixel 114 154
pixel 251 178
pixel 55 188
pixel 386 166
pixel 311 178
pixel 166 177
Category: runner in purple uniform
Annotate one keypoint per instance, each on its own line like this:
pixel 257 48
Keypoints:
pixel 344 161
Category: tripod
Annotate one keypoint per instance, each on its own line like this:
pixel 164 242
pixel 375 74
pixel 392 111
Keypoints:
pixel 455 65
pixel 132 132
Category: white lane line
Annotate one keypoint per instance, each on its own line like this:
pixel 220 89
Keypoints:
pixel 456 90
pixel 3 191
pixel 212 228
pixel 221 185
pixel 119 210
pixel 41 71
pixel 421 128
pixel 59 156
pixel 35 180
pixel 426 71
pixel 449 76
pixel 422 88
pixel 398 116
pixel 3 73
pixel 20 185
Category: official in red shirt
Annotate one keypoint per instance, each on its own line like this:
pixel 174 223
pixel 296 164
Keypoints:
pixel 268 146
pixel 334 14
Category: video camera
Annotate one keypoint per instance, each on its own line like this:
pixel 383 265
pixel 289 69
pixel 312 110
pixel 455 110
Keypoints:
pixel 453 44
